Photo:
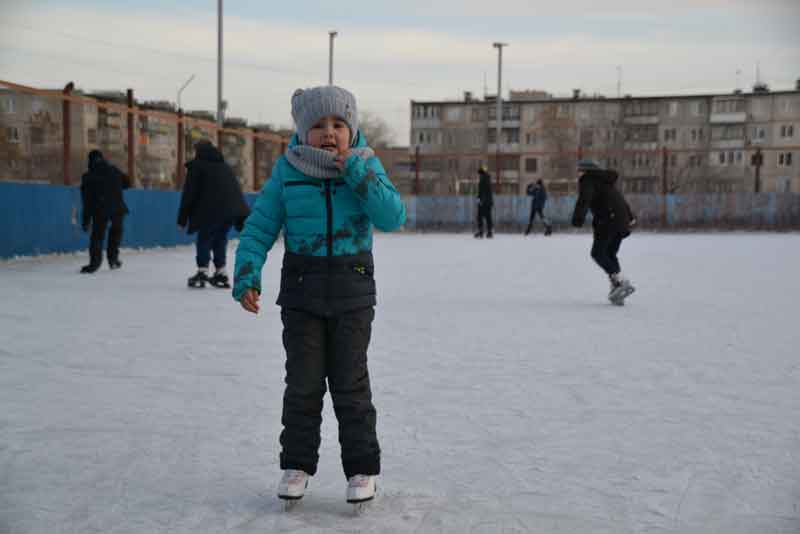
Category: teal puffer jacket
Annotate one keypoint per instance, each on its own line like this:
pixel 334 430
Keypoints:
pixel 319 217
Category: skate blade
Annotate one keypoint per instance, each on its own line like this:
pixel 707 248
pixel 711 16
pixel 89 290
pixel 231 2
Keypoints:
pixel 618 297
pixel 289 503
pixel 361 507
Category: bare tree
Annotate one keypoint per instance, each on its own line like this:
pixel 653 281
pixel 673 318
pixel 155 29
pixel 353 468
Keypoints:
pixel 376 130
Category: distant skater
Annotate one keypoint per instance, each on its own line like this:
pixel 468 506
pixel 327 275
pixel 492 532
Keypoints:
pixel 612 221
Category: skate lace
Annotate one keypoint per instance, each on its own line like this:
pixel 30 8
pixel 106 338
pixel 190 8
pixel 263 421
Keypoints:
pixel 359 481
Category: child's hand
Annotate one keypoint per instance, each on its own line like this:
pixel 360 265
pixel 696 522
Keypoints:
pixel 249 300
pixel 341 159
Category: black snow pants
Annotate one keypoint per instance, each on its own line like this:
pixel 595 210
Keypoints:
pixel 485 214
pixel 327 312
pixel 332 348
pixel 98 236
pixel 605 248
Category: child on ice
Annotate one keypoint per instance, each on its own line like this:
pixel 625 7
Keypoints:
pixel 325 193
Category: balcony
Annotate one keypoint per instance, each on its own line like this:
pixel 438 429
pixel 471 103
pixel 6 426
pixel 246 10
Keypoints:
pixel 730 117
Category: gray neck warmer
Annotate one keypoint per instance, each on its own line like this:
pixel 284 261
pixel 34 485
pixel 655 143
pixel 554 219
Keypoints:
pixel 319 163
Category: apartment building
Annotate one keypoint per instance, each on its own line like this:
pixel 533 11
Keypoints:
pixel 677 143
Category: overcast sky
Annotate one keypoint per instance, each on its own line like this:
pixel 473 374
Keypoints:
pixel 389 53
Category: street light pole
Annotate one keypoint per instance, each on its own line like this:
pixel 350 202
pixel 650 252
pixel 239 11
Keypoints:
pixel 331 34
pixel 220 110
pixel 499 117
pixel 180 91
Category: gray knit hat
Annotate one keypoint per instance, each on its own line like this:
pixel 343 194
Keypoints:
pixel 311 105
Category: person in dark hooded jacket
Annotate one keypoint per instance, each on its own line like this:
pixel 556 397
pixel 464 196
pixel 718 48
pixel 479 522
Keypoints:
pixel 211 203
pixel 538 194
pixel 101 197
pixel 485 202
pixel 612 221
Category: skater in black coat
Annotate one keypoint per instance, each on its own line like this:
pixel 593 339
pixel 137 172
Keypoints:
pixel 538 195
pixel 212 202
pixel 612 221
pixel 101 197
pixel 485 202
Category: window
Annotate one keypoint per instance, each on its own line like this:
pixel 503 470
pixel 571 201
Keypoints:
pixel 670 135
pixel 421 138
pixel 759 132
pixel 729 106
pixel 673 109
pixel 492 135
pixel 739 157
pixel 477 115
pixel 722 158
pixel 563 110
pixel 673 160
pixel 787 130
pixel 587 137
pixel 12 134
pixel 37 135
pixel 530 139
pixel 698 108
pixel 512 135
pixel 510 112
pixel 455 114
pixel 452 164
pixel 641 107
pixel 722 133
pixel 785 159
pixel 642 134
pixel 8 105
pixel 730 157
pixel 531 165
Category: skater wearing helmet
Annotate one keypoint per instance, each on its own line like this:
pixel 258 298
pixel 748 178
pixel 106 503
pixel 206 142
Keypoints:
pixel 212 202
pixel 612 221
pixel 325 194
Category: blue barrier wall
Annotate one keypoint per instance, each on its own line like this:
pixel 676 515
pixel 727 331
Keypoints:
pixel 42 219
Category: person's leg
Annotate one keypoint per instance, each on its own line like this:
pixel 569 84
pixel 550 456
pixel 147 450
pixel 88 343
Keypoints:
pixel 489 222
pixel 304 338
pixel 203 245
pixel 99 225
pixel 479 233
pixel 114 239
pixel 613 248
pixel 600 253
pixel 348 379
pixel 530 220
pixel 219 245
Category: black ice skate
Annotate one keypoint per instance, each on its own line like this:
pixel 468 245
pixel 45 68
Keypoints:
pixel 89 269
pixel 114 264
pixel 199 280
pixel 220 280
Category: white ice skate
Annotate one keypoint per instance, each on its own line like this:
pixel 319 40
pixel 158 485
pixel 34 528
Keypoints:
pixel 292 486
pixel 360 491
pixel 621 288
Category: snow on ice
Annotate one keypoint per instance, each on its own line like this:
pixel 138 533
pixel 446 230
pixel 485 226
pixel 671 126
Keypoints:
pixel 511 396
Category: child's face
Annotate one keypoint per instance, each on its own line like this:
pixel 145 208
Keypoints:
pixel 330 133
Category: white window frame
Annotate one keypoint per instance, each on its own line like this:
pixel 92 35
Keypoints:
pixel 9 105
pixel 12 134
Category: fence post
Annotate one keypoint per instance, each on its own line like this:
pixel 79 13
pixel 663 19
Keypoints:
pixel 255 160
pixel 416 171
pixel 66 120
pixel 179 169
pixel 131 139
pixel 664 192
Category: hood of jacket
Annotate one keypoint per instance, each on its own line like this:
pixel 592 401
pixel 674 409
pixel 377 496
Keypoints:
pixel 208 152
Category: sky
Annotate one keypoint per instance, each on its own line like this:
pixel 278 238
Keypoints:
pixel 389 53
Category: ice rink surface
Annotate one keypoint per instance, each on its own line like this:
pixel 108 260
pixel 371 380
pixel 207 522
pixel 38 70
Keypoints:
pixel 511 397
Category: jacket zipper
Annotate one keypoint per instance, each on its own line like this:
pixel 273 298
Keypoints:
pixel 329 211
